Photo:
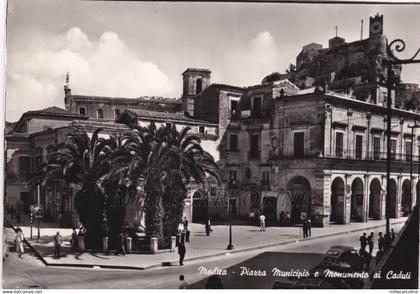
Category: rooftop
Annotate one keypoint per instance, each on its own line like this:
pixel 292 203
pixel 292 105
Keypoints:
pixel 197 69
pixel 52 110
pixel 142 99
pixel 166 116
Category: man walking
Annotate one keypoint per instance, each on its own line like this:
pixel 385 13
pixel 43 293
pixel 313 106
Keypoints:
pixel 58 240
pixel 19 241
pixel 262 223
pixel 181 252
pixel 305 228
pixel 121 244
pixel 363 242
pixel 381 242
pixel 370 243
pixel 309 226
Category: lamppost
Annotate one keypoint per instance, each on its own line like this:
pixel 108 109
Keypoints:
pixel 391 80
pixel 415 126
pixel 230 246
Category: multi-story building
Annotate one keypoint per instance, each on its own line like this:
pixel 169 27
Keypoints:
pixel 311 147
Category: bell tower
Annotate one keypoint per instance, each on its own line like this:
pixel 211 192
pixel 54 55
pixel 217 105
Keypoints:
pixel 67 92
pixel 195 81
pixel 376 25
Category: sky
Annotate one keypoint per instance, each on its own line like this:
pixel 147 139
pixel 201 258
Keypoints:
pixel 133 49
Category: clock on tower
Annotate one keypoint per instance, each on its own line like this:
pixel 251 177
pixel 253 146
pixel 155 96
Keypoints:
pixel 376 25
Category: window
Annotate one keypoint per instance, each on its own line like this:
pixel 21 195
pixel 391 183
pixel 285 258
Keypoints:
pixel 359 146
pixel 265 178
pixel 376 147
pixel 201 129
pixel 408 151
pixel 25 167
pixel 117 113
pixel 82 111
pixel 233 142
pixel 393 149
pixel 299 145
pixel 100 113
pixel 254 147
pixel 233 107
pixel 256 106
pixel 339 144
pixel 198 86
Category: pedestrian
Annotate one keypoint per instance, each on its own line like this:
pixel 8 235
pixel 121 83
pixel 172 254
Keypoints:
pixel 74 240
pixel 181 251
pixel 180 227
pixel 19 241
pixel 185 224
pixel 182 283
pixel 309 227
pixel 18 218
pixel 363 242
pixel 208 227
pixel 214 282
pixel 120 245
pixel 262 222
pixel 58 241
pixel 305 228
pixel 281 218
pixel 370 243
pixel 381 242
pixel 392 235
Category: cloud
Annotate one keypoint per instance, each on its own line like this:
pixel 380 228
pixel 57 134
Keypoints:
pixel 247 63
pixel 36 69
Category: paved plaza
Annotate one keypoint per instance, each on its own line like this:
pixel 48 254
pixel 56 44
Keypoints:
pixel 200 246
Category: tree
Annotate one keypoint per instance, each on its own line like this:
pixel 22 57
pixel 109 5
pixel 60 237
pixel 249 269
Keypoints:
pixel 186 162
pixel 83 161
pixel 162 162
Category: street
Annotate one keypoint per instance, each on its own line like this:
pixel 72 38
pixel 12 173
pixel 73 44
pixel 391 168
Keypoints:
pixel 29 272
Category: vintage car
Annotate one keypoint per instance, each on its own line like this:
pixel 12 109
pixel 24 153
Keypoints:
pixel 345 257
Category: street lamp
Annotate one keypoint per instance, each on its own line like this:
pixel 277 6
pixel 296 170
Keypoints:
pixel 230 246
pixel 389 62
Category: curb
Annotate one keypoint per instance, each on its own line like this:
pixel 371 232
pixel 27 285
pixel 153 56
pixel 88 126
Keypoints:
pixel 172 263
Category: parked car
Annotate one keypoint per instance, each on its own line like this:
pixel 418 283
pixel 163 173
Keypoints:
pixel 346 257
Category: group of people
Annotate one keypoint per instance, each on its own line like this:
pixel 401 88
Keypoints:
pixel 74 242
pixel 383 242
pixel 284 218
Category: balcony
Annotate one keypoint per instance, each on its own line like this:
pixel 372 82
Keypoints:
pixel 374 155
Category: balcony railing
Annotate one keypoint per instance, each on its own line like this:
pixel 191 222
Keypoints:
pixel 373 155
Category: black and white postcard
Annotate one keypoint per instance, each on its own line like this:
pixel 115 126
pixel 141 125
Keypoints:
pixel 211 145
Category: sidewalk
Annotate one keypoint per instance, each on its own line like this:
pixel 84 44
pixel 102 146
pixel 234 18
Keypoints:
pixel 245 238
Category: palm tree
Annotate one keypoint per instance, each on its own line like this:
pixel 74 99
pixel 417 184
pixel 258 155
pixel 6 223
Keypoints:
pixel 186 162
pixel 80 160
pixel 163 161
